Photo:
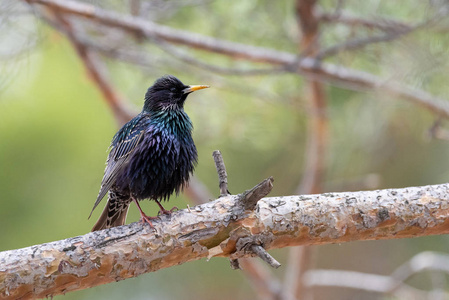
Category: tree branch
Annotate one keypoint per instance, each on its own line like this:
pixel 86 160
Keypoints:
pixel 214 229
pixel 388 285
pixel 362 281
pixel 265 256
pixel 350 20
pixel 362 42
pixel 264 284
pixel 94 69
pixel 395 32
pixel 317 121
pixel 300 258
pixel 222 175
pixel 309 67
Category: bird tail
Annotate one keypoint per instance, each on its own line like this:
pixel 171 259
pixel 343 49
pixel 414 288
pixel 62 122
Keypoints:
pixel 114 212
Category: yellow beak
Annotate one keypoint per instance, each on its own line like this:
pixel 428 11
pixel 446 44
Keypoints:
pixel 193 88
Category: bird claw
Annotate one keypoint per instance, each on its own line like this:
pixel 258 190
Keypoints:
pixel 163 211
pixel 146 219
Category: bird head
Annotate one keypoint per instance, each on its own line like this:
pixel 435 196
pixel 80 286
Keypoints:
pixel 167 93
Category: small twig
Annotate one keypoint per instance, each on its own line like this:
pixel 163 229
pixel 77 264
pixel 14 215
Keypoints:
pixel 254 245
pixel 262 281
pixel 392 34
pixel 222 175
pixel 350 20
pixel 252 196
pixel 362 42
pixel 235 265
pixel 265 256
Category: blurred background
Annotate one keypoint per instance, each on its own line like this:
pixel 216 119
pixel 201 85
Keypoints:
pixel 67 83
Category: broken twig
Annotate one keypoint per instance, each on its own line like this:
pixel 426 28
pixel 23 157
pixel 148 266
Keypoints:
pixel 252 196
pixel 222 175
pixel 265 256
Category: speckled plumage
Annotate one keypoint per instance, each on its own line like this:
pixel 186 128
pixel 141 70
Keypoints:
pixel 152 156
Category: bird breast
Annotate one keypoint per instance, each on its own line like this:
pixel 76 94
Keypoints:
pixel 162 162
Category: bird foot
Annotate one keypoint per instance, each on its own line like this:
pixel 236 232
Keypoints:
pixel 146 219
pixel 163 211
pixel 143 217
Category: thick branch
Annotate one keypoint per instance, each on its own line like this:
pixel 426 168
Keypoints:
pixel 306 66
pixel 214 229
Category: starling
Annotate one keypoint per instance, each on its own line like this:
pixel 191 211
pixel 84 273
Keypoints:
pixel 151 156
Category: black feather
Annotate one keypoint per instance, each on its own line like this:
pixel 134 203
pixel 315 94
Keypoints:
pixel 153 155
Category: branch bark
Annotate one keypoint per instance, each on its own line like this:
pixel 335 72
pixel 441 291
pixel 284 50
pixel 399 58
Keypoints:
pixel 310 67
pixel 214 229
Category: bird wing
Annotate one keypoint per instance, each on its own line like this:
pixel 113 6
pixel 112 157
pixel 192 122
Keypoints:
pixel 122 145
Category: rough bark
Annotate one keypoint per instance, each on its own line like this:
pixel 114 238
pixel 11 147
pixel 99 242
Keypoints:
pixel 221 228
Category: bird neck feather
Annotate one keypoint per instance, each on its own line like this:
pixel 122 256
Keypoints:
pixel 175 120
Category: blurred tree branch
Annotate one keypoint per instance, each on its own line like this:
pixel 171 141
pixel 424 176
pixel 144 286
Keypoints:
pixel 393 284
pixel 346 18
pixel 395 31
pixel 317 142
pixel 222 228
pixel 94 68
pixel 317 122
pixel 306 66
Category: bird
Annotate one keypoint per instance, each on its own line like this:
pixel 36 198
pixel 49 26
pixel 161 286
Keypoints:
pixel 150 157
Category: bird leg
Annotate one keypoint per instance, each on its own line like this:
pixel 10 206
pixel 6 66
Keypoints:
pixel 143 217
pixel 163 211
